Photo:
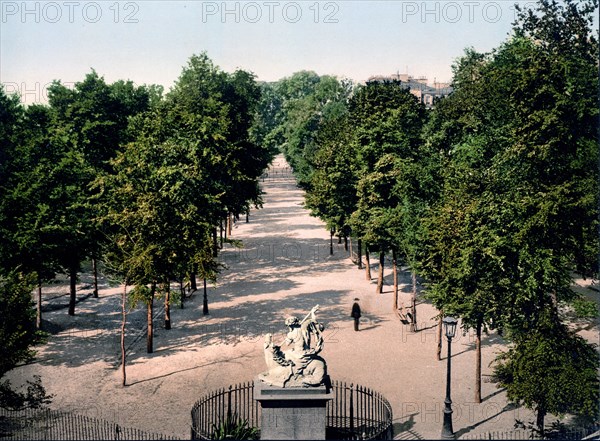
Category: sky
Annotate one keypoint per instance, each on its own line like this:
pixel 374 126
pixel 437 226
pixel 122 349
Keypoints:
pixel 150 41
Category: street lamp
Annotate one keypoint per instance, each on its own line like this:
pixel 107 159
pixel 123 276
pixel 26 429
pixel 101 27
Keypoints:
pixel 450 330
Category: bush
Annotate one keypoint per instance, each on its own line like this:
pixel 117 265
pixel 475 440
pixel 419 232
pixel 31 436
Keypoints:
pixel 234 428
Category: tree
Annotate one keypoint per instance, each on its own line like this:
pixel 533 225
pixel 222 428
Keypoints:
pixel 189 163
pixel 22 247
pixel 92 119
pixel 551 370
pixel 218 110
pixel 46 198
pixel 332 195
pixel 515 215
pixel 299 105
pixel 387 121
pixel 153 215
pixel 18 334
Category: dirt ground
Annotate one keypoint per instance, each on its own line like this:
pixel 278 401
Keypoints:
pixel 283 269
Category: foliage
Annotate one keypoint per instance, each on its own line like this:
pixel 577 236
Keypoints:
pixel 296 108
pixel 332 195
pixel 387 121
pixel 585 308
pixel 217 110
pixel 234 428
pixel 23 189
pixel 45 212
pixel 152 212
pixel 515 215
pixel 17 336
pixel 33 397
pixel 17 331
pixel 190 162
pixel 551 370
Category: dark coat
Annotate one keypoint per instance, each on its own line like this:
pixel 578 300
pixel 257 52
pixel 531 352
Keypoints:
pixel 355 310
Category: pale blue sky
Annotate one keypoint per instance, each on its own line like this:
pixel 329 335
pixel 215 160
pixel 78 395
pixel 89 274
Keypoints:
pixel 149 41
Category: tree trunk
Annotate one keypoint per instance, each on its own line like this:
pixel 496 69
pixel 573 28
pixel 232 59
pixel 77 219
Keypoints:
pixel 541 414
pixel 193 285
pixel 554 299
pixel 380 277
pixel 331 243
pixel 345 243
pixel 221 232
pixel 230 223
pixel 478 364
pixel 38 315
pixel 123 322
pixel 413 302
pixel 367 265
pixel 150 331
pixel 439 335
pixel 167 305
pixel 226 227
pixel 349 239
pixel 95 271
pixel 359 251
pixel 247 215
pixel 215 243
pixel 205 301
pixel 72 288
pixel 181 293
pixel 339 239
pixel 395 272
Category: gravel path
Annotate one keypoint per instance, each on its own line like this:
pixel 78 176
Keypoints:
pixel 283 269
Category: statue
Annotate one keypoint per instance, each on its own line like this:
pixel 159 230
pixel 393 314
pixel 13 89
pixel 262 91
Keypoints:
pixel 300 365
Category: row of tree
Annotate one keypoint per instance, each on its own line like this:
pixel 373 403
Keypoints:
pixel 122 174
pixel 492 197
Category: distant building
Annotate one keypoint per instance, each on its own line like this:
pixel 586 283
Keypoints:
pixel 419 87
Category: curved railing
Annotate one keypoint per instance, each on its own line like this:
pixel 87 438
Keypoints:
pixel 355 412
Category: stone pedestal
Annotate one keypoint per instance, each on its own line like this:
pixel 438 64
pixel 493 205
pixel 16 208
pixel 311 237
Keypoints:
pixel 292 413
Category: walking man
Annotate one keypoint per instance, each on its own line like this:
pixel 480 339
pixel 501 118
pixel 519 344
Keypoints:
pixel 356 314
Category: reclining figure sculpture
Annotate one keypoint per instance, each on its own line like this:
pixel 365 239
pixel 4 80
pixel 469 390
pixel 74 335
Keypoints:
pixel 300 365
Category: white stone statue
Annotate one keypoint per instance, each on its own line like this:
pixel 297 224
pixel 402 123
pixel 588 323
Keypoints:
pixel 300 365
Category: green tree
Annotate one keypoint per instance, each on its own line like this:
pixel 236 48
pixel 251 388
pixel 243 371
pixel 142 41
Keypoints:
pixel 18 334
pixel 94 117
pixel 515 215
pixel 154 215
pixel 46 198
pixel 332 195
pixel 32 150
pixel 551 370
pixel 219 110
pixel 302 102
pixel 190 162
pixel 387 121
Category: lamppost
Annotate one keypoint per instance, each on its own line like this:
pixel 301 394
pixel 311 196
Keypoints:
pixel 450 330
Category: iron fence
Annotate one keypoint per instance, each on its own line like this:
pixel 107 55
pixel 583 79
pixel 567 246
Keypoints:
pixel 355 412
pixel 46 424
pixel 214 408
pixel 591 433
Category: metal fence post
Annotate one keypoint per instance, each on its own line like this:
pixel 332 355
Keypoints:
pixel 351 408
pixel 229 403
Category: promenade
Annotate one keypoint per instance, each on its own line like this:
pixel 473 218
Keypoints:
pixel 284 268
